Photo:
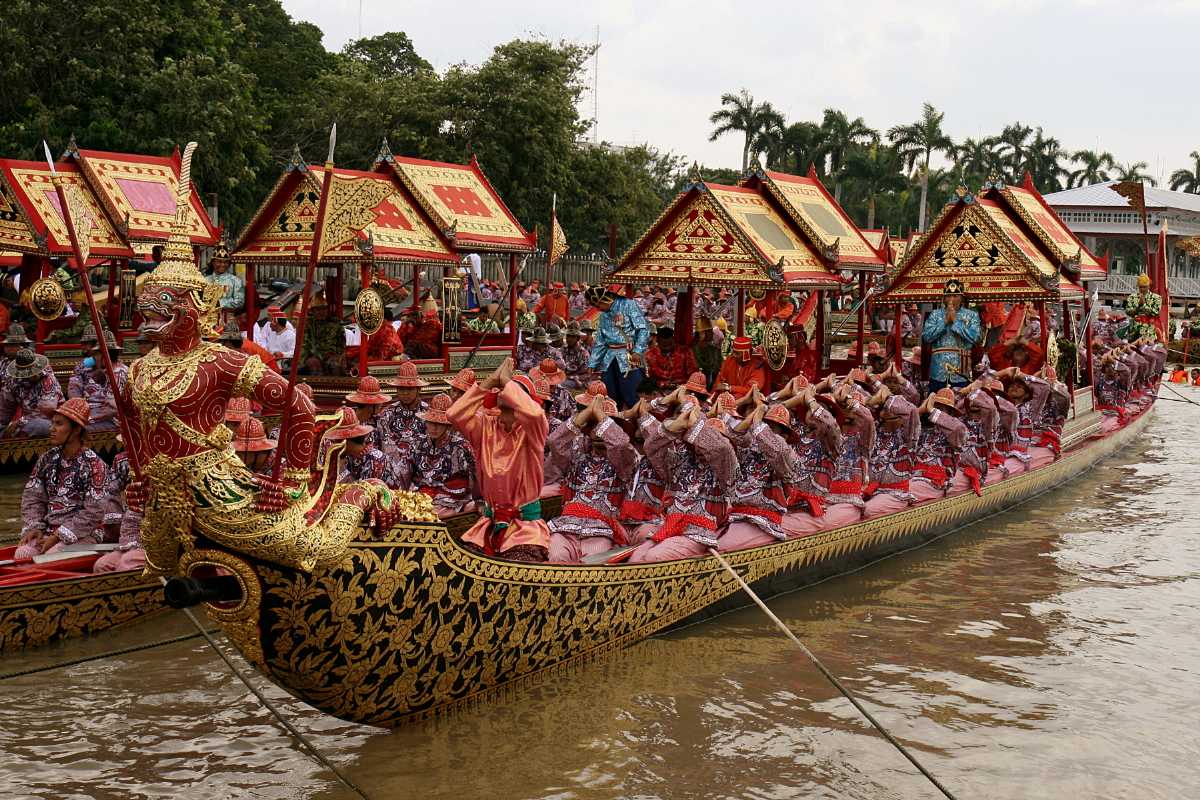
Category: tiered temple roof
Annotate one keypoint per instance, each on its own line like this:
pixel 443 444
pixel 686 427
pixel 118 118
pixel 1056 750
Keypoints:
pixel 715 235
pixel 370 216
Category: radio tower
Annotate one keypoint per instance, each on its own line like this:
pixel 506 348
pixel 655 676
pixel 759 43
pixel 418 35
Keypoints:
pixel 595 90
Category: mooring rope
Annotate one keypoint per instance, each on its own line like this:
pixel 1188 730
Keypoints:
pixel 1176 391
pixel 99 657
pixel 262 698
pixel 829 675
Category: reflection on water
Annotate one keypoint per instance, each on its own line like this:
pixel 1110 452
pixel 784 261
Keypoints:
pixel 1044 653
pixel 10 506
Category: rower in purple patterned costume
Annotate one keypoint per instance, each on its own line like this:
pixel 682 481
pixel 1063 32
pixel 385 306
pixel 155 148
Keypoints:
pixel 696 462
pixel 891 461
pixel 441 465
pixel 597 461
pixel 940 446
pixel 766 463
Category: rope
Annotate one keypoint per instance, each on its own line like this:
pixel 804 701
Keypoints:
pixel 829 675
pixel 1176 391
pixel 110 654
pixel 287 726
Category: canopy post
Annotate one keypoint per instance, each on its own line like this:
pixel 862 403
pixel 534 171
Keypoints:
pixel 112 309
pixel 512 303
pixel 741 312
pixel 1087 315
pixel 1045 328
pixel 820 331
pixel 416 288
pixel 251 301
pixel 862 317
pixel 898 338
pixel 684 323
pixel 40 344
pixel 364 341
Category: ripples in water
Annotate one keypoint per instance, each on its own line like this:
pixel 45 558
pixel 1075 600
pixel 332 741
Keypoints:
pixel 1044 653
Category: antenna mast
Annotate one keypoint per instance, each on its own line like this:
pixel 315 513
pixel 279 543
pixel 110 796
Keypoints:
pixel 596 90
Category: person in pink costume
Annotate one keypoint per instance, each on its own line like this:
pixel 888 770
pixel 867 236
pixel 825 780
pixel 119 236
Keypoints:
pixel 891 462
pixel 697 464
pixel 506 428
pixel 63 501
pixel 597 462
pixel 940 446
pixel 766 463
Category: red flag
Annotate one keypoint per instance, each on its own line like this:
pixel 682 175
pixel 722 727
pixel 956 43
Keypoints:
pixel 1159 286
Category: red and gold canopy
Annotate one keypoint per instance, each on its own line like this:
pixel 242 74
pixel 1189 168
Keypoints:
pixel 714 235
pixel 370 216
pixel 818 216
pixel 139 192
pixel 31 220
pixel 1048 227
pixel 980 242
pixel 462 202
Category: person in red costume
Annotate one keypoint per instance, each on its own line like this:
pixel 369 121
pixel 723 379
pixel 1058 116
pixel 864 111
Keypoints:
pixel 1019 352
pixel 552 307
pixel 742 368
pixel 666 364
pixel 506 428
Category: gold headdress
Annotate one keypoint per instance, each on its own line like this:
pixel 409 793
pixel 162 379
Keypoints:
pixel 178 268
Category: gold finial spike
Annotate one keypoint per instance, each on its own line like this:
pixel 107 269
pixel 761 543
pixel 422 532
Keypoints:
pixel 694 174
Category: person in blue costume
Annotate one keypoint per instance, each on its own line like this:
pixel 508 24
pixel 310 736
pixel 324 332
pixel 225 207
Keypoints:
pixel 622 337
pixel 949 334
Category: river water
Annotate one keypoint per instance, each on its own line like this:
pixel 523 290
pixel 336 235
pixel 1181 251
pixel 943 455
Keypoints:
pixel 1048 652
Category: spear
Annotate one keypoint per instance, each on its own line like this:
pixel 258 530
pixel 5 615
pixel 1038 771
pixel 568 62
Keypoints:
pixel 314 255
pixel 81 266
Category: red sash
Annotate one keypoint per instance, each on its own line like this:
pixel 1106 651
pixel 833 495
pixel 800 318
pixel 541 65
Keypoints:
pixel 676 524
pixel 846 487
pixel 936 474
pixel 973 476
pixel 755 511
pixel 875 486
pixel 587 512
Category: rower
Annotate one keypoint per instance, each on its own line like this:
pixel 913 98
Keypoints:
pixel 696 462
pixel 534 349
pixel 1029 394
pixel 361 459
pixel 1047 426
pixel 561 404
pixel 64 499
pixel 400 422
pixel 848 478
pixel 575 358
pixel 90 381
pixel 891 461
pixel 237 411
pixel 505 426
pixel 463 380
pixel 597 460
pixel 441 464
pixel 252 445
pixel 815 442
pixel 122 520
pixel 366 400
pixel 743 367
pixel 940 446
pixel 981 418
pixel 758 497
pixel 31 388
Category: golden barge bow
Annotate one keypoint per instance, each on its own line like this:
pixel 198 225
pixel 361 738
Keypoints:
pixel 410 625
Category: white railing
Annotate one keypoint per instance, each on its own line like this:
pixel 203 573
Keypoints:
pixel 1125 284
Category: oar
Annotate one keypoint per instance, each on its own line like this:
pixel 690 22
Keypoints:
pixel 828 675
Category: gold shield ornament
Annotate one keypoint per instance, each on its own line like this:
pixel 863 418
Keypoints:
pixel 47 299
pixel 368 307
pixel 775 344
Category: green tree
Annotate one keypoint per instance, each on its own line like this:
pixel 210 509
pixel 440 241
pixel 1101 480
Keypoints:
pixel 1013 143
pixel 841 134
pixel 740 114
pixel 916 143
pixel 1187 180
pixel 1093 167
pixel 387 55
pixel 976 160
pixel 875 169
pixel 1046 163
pixel 803 146
pixel 1135 171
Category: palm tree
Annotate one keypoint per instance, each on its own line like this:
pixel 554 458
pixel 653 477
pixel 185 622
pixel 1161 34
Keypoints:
pixel 876 169
pixel 1093 168
pixel 841 134
pixel 769 142
pixel 1183 180
pixel 1134 172
pixel 1013 144
pixel 804 146
pixel 739 113
pixel 1045 165
pixel 976 160
pixel 919 141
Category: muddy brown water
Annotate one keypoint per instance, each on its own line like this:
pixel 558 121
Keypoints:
pixel 1049 652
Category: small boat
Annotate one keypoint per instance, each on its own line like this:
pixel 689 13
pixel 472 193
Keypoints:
pixel 411 625
pixel 58 596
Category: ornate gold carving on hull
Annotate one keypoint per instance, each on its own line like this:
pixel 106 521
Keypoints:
pixel 409 625
pixel 240 620
pixel 35 614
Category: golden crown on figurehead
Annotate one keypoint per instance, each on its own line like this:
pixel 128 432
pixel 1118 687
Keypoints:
pixel 178 270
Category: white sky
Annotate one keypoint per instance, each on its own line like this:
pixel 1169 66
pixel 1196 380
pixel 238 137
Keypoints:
pixel 1109 74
